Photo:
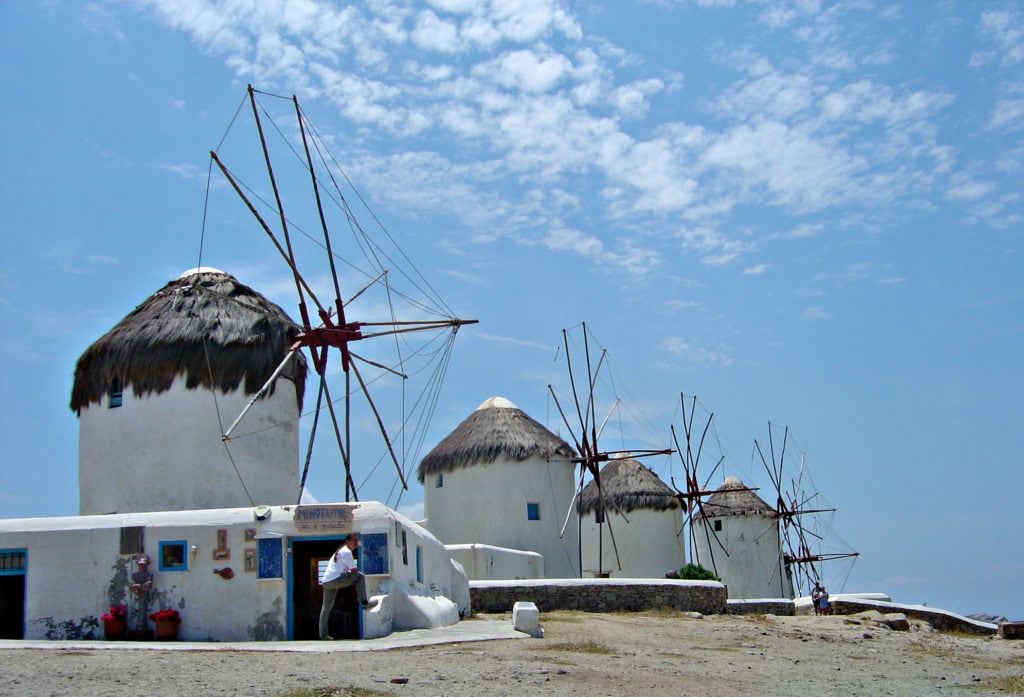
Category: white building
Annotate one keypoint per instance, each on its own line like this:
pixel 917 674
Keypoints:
pixel 642 514
pixel 503 480
pixel 240 574
pixel 153 394
pixel 738 538
pixel 229 552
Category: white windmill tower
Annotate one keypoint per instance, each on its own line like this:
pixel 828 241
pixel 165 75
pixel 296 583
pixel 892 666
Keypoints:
pixel 149 392
pixel 503 479
pixel 746 528
pixel 647 519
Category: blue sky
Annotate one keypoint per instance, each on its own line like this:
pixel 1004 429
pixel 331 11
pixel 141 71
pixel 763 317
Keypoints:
pixel 803 213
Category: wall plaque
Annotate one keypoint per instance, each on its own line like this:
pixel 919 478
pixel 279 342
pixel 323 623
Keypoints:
pixel 311 518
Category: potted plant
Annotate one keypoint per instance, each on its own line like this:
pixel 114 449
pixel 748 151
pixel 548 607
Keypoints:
pixel 166 622
pixel 114 623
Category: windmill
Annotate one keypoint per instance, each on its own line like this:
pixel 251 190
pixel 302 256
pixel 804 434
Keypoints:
pixel 328 332
pixel 694 495
pixel 585 432
pixel 799 521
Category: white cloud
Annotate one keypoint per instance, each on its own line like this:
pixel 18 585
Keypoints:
pixel 454 6
pixel 589 247
pixel 815 313
pixel 631 99
pixel 688 351
pixel 969 190
pixel 772 95
pixel 101 20
pixel 526 70
pixel 103 259
pixel 712 246
pixel 1009 113
pixel 866 102
pixel 433 33
pixel 185 170
pixel 1005 29
pixel 797 169
pixel 513 340
pixel 756 270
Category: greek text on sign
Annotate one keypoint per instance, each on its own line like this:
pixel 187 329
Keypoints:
pixel 313 517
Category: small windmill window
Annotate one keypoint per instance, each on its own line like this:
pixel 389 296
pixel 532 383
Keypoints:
pixel 439 482
pixel 115 395
pixel 598 515
pixel 533 511
pixel 718 526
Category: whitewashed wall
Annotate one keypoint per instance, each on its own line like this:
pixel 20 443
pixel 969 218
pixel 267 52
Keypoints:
pixel 164 452
pixel 75 571
pixel 486 504
pixel 649 544
pixel 754 567
pixel 486 562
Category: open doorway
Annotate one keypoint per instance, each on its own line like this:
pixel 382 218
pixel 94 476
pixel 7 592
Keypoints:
pixel 12 606
pixel 309 557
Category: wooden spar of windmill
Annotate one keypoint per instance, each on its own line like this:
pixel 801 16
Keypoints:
pixel 328 326
pixel 695 493
pixel 798 538
pixel 585 433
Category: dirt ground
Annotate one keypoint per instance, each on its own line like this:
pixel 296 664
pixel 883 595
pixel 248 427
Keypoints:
pixel 657 653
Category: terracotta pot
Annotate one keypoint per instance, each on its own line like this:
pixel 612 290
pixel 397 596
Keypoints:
pixel 114 630
pixel 167 630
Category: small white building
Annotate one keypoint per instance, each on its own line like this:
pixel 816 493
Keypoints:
pixel 157 478
pixel 240 574
pixel 738 537
pixel 642 514
pixel 502 479
pixel 153 394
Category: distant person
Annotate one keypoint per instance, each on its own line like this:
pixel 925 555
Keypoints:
pixel 823 603
pixel 140 586
pixel 342 572
pixel 816 598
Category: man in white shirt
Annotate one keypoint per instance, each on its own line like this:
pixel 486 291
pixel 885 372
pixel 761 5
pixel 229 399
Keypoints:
pixel 342 572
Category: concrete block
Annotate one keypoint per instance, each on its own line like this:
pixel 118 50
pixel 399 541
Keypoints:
pixel 526 619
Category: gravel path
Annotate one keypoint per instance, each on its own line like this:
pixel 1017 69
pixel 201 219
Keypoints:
pixel 582 654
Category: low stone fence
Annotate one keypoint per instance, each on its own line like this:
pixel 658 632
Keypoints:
pixel 939 619
pixel 600 595
pixel 767 606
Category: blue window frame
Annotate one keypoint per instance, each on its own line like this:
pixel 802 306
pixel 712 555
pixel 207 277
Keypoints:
pixel 270 564
pixel 373 557
pixel 13 562
pixel 533 511
pixel 115 395
pixel 439 482
pixel 419 564
pixel 172 555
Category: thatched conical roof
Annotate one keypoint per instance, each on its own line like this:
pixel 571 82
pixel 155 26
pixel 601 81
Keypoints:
pixel 496 428
pixel 627 486
pixel 733 498
pixel 204 325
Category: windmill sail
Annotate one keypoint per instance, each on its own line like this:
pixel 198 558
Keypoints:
pixel 392 326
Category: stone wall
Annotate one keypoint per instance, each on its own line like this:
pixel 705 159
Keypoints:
pixel 600 595
pixel 939 619
pixel 779 606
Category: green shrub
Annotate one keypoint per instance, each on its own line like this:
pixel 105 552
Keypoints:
pixel 696 572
